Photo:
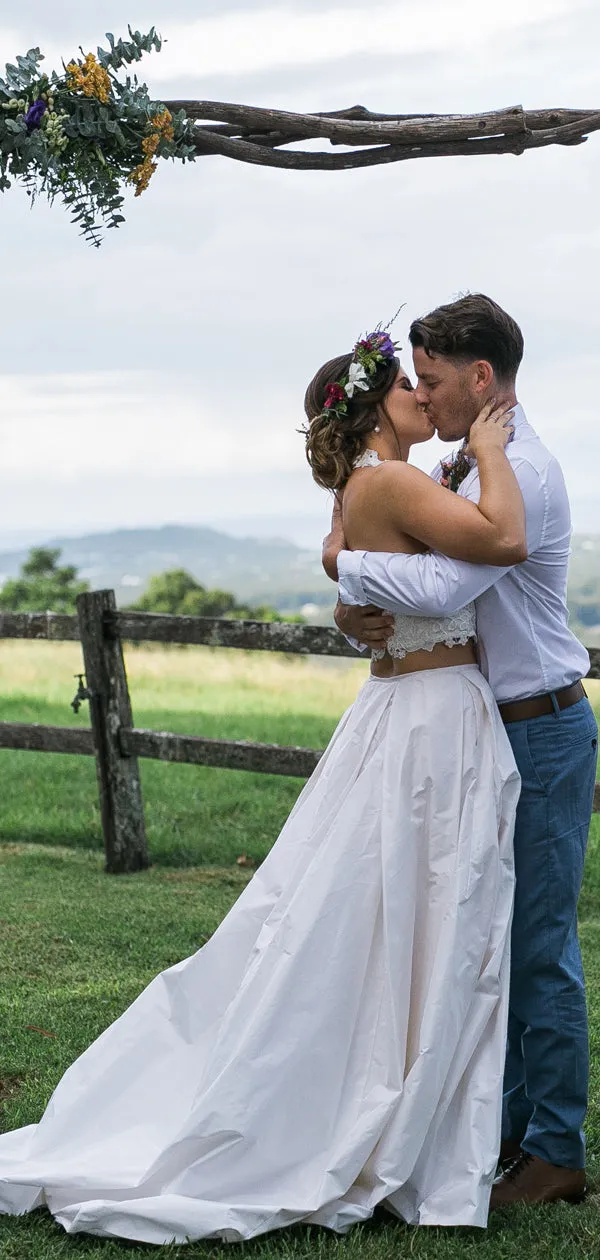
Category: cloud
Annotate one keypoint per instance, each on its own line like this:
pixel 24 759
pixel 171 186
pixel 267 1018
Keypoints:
pixel 162 377
pixel 284 35
pixel 132 448
pixel 234 43
pixel 140 423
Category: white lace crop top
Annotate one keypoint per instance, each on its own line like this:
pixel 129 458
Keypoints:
pixel 417 634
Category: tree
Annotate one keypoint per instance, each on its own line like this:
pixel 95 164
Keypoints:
pixel 42 586
pixel 177 592
pixel 166 592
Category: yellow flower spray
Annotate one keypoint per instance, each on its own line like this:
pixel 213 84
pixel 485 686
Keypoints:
pixel 90 78
pixel 162 129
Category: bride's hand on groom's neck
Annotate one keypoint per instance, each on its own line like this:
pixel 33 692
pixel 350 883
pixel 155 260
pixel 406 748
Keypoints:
pixel 335 540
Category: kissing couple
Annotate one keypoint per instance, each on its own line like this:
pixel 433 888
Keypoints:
pixel 393 1012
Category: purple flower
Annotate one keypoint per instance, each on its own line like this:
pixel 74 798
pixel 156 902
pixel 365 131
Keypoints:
pixel 383 343
pixel 387 348
pixel 34 115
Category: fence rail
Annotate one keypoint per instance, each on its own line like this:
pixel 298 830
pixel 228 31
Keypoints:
pixel 38 626
pixel 113 739
pixel 254 636
pixel 35 738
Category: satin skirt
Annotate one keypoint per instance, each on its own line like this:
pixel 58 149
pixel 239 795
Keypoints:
pixel 339 1042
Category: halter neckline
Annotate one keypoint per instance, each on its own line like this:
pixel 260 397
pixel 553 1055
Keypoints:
pixel 369 459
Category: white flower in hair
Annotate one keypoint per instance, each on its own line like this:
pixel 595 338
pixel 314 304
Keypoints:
pixel 357 379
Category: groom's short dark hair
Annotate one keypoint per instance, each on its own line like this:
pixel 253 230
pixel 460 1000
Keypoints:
pixel 473 327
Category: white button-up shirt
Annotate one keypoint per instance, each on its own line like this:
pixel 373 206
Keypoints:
pixel 525 645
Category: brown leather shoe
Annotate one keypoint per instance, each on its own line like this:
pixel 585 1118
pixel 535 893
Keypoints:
pixel 532 1180
pixel 510 1150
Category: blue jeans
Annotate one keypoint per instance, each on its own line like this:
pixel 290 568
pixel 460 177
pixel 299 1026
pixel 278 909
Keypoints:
pixel 546 1075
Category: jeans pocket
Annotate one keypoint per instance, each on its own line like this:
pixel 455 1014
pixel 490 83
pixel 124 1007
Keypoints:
pixel 562 761
pixel 535 771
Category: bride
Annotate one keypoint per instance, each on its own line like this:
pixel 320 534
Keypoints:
pixel 339 1041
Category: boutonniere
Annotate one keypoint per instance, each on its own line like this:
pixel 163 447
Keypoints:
pixel 455 469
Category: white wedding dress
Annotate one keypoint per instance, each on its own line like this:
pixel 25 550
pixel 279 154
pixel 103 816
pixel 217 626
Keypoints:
pixel 339 1042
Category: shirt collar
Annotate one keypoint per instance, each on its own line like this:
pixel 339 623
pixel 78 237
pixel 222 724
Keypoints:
pixel 523 428
pixel 519 419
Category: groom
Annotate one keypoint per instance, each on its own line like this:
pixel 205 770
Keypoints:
pixel 465 353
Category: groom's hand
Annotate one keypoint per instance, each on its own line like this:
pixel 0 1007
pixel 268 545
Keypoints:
pixel 364 622
pixel 335 540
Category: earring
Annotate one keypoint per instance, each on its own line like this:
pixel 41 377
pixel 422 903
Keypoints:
pixel 377 428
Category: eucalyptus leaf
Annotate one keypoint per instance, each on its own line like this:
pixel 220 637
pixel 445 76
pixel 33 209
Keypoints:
pixel 14 81
pixel 28 69
pixel 103 139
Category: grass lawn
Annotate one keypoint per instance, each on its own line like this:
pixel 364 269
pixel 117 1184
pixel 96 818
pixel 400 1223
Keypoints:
pixel 194 814
pixel 76 946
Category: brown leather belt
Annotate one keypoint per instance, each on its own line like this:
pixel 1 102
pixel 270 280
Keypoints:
pixel 537 706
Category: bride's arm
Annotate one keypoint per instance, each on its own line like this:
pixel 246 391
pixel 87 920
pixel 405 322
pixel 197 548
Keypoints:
pixel 489 532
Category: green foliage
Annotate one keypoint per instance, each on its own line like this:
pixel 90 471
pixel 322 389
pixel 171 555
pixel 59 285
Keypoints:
pixel 584 588
pixel 177 592
pixel 584 605
pixel 42 586
pixel 167 592
pixel 87 143
pixel 122 53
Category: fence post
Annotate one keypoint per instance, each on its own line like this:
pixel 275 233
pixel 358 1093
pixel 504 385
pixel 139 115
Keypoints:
pixel 121 804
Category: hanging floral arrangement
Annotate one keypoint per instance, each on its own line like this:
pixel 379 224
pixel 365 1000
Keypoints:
pixel 85 134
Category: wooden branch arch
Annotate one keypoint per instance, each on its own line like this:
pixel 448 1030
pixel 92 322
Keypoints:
pixel 83 136
pixel 259 136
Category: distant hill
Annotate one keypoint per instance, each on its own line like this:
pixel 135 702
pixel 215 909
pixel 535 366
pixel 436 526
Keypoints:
pixel 259 570
pixel 306 531
pixel 256 570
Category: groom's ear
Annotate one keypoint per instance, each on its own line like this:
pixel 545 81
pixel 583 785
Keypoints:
pixel 482 376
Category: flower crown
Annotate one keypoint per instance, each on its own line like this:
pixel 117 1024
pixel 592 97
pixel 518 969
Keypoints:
pixel 374 349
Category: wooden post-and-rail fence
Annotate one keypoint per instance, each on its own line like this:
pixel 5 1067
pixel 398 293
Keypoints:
pixel 112 737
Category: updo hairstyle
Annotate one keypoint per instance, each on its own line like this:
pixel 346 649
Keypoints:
pixel 334 442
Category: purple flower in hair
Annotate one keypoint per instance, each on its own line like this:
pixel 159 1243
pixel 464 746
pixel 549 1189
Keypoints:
pixel 382 342
pixel 34 115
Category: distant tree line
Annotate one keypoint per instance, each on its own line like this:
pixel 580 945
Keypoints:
pixel 584 603
pixel 176 591
pixel 45 586
pixel 584 608
pixel 42 586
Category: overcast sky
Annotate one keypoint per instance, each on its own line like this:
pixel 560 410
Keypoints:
pixel 161 377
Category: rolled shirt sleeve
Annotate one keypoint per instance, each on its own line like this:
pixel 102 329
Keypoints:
pixel 350 587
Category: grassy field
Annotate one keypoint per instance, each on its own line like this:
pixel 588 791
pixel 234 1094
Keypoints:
pixel 194 814
pixel 77 946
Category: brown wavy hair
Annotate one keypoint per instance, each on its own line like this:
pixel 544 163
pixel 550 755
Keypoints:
pixel 473 327
pixel 334 442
